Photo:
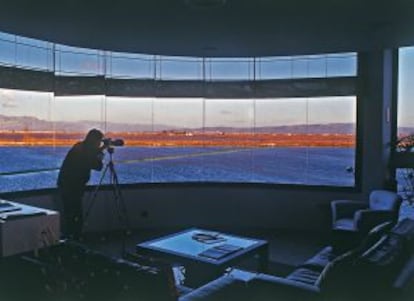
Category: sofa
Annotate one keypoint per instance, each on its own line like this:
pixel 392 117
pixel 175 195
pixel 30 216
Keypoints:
pixel 380 268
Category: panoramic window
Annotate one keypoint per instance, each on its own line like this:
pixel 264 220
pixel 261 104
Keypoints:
pixel 78 61
pixel 405 123
pixel 28 158
pixel 405 92
pixel 206 124
pixel 130 65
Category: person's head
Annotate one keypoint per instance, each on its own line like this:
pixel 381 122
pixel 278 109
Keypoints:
pixel 94 138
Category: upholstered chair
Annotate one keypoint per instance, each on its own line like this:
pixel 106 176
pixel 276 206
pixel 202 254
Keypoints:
pixel 351 220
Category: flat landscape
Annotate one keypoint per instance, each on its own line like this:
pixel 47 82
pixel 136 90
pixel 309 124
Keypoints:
pixel 183 138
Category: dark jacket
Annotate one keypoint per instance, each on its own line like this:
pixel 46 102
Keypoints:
pixel 77 165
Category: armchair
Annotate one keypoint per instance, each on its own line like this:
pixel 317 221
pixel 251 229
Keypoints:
pixel 352 219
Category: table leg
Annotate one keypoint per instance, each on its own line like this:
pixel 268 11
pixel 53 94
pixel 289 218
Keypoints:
pixel 263 253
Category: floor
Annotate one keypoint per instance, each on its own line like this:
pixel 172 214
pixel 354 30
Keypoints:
pixel 286 249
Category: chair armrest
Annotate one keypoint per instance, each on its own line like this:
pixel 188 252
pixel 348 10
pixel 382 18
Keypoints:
pixel 268 287
pixel 345 208
pixel 366 219
pixel 225 287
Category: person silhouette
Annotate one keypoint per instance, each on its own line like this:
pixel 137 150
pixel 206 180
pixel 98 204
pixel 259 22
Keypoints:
pixel 74 174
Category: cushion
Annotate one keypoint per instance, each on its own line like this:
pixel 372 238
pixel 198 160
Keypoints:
pixel 304 275
pixel 321 259
pixel 337 271
pixel 224 288
pixel 374 236
pixel 385 252
pixel 344 224
pixel 384 200
pixel 383 261
pixel 405 228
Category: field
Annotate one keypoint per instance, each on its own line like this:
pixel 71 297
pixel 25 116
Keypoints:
pixel 31 160
pixel 183 138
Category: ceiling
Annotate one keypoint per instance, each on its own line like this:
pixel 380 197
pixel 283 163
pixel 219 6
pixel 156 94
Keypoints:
pixel 214 27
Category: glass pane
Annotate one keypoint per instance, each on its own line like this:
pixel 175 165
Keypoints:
pixel 130 119
pixel 317 66
pixel 124 65
pixel 78 61
pixel 331 137
pixel 178 139
pixel 405 183
pixel 34 57
pixel 32 42
pixel 7 37
pixel 176 68
pixel 7 52
pixel 280 153
pixel 300 67
pixel 274 68
pixel 406 92
pixel 228 138
pixel 73 117
pixel 28 159
pixel 77 115
pixel 229 69
pixel 341 64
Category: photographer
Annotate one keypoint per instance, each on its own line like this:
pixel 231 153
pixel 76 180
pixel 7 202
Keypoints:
pixel 73 176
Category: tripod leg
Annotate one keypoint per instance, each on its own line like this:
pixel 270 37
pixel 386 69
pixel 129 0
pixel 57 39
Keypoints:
pixel 120 200
pixel 120 206
pixel 92 198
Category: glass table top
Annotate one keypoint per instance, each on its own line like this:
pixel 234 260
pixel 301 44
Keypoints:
pixel 184 242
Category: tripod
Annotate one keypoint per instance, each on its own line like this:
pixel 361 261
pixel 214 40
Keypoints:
pixel 117 197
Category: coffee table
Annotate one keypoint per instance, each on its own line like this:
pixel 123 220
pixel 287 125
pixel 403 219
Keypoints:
pixel 183 248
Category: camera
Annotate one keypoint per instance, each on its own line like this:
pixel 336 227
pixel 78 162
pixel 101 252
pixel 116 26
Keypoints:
pixel 109 142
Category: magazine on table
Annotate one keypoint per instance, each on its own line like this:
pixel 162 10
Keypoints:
pixel 208 237
pixel 220 251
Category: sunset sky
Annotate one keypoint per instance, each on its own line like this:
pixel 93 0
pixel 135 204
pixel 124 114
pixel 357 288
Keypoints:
pixel 180 112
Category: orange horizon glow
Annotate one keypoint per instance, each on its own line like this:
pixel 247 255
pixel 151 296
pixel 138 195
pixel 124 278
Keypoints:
pixel 183 139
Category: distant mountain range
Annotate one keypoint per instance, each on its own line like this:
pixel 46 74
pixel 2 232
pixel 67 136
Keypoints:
pixel 35 124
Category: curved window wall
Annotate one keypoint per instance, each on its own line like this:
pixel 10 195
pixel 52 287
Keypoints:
pixel 405 128
pixel 232 120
